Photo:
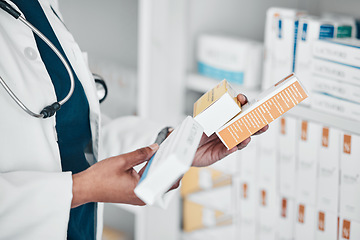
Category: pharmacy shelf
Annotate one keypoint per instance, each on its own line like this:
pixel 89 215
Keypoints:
pixel 202 84
pixel 326 119
pixel 198 83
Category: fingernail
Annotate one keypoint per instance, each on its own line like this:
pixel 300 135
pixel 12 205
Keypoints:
pixel 153 146
pixel 234 149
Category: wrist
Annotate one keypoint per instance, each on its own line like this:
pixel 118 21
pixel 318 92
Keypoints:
pixel 80 190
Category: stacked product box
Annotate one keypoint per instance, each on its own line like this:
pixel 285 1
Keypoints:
pixel 235 59
pixel 288 135
pixel 247 197
pixel 268 182
pixel 313 28
pixel 306 182
pixel 349 187
pixel 336 73
pixel 281 32
pixel 327 206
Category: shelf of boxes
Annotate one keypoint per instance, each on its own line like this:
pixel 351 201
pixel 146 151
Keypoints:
pixel 202 84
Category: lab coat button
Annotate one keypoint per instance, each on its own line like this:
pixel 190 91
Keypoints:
pixel 30 53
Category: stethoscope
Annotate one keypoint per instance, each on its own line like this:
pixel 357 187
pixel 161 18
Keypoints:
pixel 51 109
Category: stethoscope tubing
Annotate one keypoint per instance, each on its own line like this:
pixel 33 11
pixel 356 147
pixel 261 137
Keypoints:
pixel 62 59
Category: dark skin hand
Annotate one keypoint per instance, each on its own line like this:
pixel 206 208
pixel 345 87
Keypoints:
pixel 114 179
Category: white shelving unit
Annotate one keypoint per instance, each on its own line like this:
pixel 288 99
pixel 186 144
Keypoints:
pixel 167 65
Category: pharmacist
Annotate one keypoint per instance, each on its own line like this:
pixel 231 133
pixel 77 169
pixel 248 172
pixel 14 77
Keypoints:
pixel 48 189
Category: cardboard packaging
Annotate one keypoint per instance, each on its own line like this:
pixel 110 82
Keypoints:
pixel 337 89
pixel 199 179
pixel 336 71
pixel 270 105
pixel 287 147
pixel 216 107
pixel 350 180
pixel 246 202
pixel 329 170
pixel 310 29
pixel 169 163
pixel 305 223
pixel 308 154
pixel 327 226
pixel 286 216
pixel 208 209
pixel 268 213
pixel 349 229
pixel 249 161
pixel 332 105
pixel 235 59
pixel 344 51
pixel 268 158
pixel 280 43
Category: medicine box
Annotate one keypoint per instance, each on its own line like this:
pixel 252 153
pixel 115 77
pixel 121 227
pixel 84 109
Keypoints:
pixel 336 88
pixel 268 209
pixel 246 201
pixel 308 154
pixel 336 71
pixel 326 225
pixel 286 216
pixel 270 105
pixel 305 222
pixel 350 177
pixel 268 157
pixel 310 29
pixel 288 137
pixel 280 38
pixel 238 60
pixel 345 51
pixel 332 105
pixel 329 170
pixel 216 107
pixel 169 163
pixel 349 229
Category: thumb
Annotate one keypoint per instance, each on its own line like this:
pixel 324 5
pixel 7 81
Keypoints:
pixel 140 155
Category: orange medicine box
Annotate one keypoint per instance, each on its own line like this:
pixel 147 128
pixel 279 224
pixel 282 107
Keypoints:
pixel 271 104
pixel 216 107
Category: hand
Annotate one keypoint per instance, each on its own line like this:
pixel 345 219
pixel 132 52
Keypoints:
pixel 211 149
pixel 111 180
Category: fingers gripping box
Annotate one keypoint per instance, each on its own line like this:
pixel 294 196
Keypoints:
pixel 256 114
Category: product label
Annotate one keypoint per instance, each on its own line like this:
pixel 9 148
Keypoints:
pixel 344 31
pixel 326 31
pixel 301 217
pixel 347 144
pixel 346 229
pixel 258 117
pixel 304 32
pixel 263 198
pixel 283 126
pixel 280 29
pixel 304 127
pixel 245 191
pixel 283 207
pixel 325 137
pixel 321 223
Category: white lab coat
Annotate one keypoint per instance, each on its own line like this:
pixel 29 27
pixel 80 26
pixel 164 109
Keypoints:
pixel 35 195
